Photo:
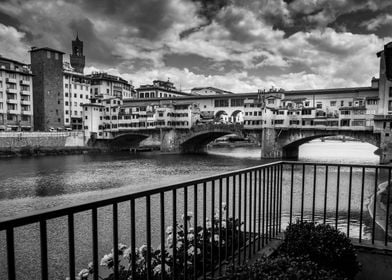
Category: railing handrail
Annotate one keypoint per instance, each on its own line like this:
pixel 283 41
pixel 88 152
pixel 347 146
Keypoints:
pixel 60 211
pixel 337 164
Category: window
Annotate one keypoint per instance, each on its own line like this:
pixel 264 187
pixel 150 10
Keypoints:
pixel 66 94
pixel 66 85
pixel 221 103
pixel 66 103
pixel 81 96
pixel 390 91
pixel 75 87
pixel 56 56
pixel 59 120
pixel 75 95
pixel 333 103
pixel 107 91
pixel 75 103
pixel 350 104
pixel 47 54
pixel 237 102
pixel 75 113
pixel 66 112
pixel 67 120
pixel 271 101
pixel 86 96
pixel 319 105
pixel 342 103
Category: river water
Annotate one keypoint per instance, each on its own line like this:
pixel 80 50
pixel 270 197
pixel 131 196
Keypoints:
pixel 29 184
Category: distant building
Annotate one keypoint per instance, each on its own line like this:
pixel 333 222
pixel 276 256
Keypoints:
pixel 159 89
pixel 48 93
pixel 60 88
pixel 209 91
pixel 76 93
pixel 104 85
pixel 77 58
pixel 16 96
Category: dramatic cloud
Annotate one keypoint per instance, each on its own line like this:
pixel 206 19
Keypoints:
pixel 237 45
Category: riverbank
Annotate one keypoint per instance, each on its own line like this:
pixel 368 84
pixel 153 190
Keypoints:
pixel 29 151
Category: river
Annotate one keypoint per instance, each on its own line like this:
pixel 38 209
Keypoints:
pixel 29 184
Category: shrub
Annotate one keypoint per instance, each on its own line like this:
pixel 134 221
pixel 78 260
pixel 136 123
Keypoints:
pixel 323 244
pixel 283 268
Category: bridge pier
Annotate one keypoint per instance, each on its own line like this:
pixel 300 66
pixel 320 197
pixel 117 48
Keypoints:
pixel 270 147
pixel 385 150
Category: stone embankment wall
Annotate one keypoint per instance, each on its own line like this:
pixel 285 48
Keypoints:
pixel 41 143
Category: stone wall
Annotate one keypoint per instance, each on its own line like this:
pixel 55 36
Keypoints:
pixel 16 140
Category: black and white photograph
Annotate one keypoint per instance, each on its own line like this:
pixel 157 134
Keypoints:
pixel 195 139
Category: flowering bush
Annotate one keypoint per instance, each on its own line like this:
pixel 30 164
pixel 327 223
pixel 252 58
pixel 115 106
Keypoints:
pixel 214 240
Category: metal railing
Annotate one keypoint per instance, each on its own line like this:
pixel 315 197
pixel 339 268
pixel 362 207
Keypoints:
pixel 259 201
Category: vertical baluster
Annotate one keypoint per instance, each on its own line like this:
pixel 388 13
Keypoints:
pixel 374 203
pixel 276 197
pixel 388 206
pixel 174 215
pixel 303 192
pixel 273 194
pixel 227 219
pixel 250 215
pixel 245 212
pixel 233 251
pixel 270 203
pixel 212 227
pixel 259 232
pixel 263 225
pixel 162 233
pixel 71 246
pixel 133 239
pixel 220 227
pixel 204 229
pixel 195 232
pixel 281 196
pixel 314 191
pixel 44 250
pixel 239 217
pixel 254 199
pixel 291 193
pixel 185 221
pixel 115 241
pixel 325 194
pixel 267 202
pixel 11 254
pixel 361 210
pixel 337 197
pixel 148 233
pixel 95 242
pixel 349 201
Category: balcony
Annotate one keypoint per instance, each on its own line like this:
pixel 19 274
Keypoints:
pixel 25 92
pixel 25 102
pixel 12 100
pixel 24 83
pixel 11 80
pixel 27 112
pixel 12 90
pixel 12 111
pixel 244 211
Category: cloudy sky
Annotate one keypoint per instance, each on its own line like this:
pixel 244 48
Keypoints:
pixel 236 45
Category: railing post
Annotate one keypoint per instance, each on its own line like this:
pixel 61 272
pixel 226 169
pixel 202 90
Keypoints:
pixel 11 254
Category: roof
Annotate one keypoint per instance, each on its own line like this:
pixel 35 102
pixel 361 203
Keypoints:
pixel 152 87
pixel 34 49
pixel 12 60
pixel 212 88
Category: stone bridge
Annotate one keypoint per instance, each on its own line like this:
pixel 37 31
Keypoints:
pixel 192 140
pixel 284 143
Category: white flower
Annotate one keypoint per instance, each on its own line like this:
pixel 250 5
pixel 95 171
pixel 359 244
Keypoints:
pixel 216 237
pixel 169 230
pixel 107 260
pixel 84 273
pixel 128 253
pixel 157 269
pixel 90 267
pixel 224 206
pixel 121 248
pixel 223 224
pixel 190 236
pixel 179 244
pixel 143 249
pixel 169 240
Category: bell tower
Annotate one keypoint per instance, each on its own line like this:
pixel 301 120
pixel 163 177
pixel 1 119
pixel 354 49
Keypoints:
pixel 77 58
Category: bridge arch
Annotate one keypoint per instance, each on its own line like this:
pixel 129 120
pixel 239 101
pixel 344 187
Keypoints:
pixel 127 140
pixel 222 115
pixel 290 145
pixel 237 116
pixel 196 141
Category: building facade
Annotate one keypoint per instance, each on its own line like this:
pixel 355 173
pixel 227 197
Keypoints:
pixel 16 96
pixel 209 91
pixel 159 89
pixel 104 85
